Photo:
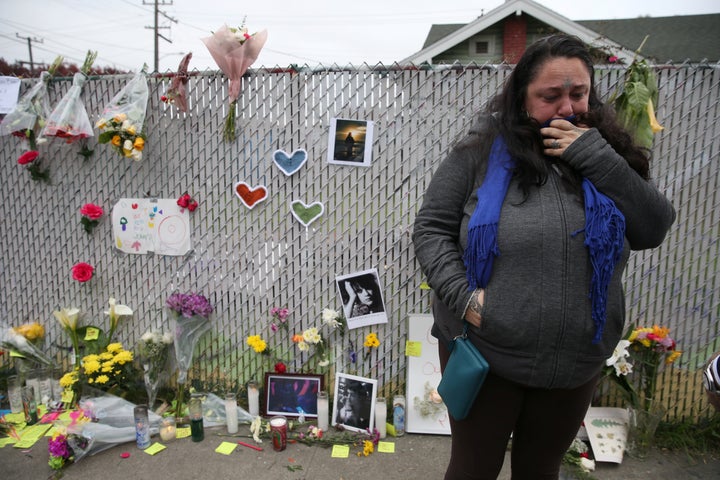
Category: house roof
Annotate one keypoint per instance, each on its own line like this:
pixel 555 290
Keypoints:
pixel 693 38
pixel 515 7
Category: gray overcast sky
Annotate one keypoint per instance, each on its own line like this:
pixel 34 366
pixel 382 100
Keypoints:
pixel 302 32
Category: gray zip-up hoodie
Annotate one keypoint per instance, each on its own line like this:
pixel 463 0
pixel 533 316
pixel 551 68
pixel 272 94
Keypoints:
pixel 536 327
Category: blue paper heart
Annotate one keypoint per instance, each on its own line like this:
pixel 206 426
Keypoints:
pixel 290 164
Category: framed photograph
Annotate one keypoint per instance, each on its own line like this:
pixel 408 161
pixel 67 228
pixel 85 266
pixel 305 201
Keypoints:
pixel 361 297
pixel 292 394
pixel 350 142
pixel 354 405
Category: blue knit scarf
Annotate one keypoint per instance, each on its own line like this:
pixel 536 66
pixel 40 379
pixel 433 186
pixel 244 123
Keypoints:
pixel 604 232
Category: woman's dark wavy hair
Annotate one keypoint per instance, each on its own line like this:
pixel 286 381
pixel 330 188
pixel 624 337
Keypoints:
pixel 522 134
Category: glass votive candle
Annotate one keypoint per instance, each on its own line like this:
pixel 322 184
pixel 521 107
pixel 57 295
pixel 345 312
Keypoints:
pixel 168 429
pixel 381 416
pixel 197 431
pixel 231 413
pixel 322 411
pixel 253 398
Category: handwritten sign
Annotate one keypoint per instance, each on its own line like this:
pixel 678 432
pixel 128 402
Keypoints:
pixel 144 225
pixel 9 93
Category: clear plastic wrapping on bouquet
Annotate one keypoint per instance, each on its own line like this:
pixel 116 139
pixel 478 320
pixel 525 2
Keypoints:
pixel 112 423
pixel 188 331
pixel 31 110
pixel 12 341
pixel 122 120
pixel 214 411
pixel 69 120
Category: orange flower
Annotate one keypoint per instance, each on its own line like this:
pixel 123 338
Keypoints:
pixel 116 140
pixel 139 143
pixel 297 338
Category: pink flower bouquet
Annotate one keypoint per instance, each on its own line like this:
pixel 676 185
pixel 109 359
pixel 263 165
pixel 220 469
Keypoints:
pixel 177 92
pixel 234 50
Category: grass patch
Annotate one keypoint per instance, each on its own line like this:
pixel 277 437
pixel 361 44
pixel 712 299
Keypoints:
pixel 698 438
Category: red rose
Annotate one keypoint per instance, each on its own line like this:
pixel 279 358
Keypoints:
pixel 183 201
pixel 91 211
pixel 82 272
pixel 280 367
pixel 192 205
pixel 28 157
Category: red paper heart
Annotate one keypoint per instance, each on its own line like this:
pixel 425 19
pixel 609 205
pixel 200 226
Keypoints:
pixel 134 206
pixel 250 196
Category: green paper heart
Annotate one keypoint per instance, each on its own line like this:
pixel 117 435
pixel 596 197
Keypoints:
pixel 306 214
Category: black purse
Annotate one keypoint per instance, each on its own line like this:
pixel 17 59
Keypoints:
pixel 463 376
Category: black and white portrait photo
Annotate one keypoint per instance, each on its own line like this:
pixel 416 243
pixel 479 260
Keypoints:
pixel 354 406
pixel 362 299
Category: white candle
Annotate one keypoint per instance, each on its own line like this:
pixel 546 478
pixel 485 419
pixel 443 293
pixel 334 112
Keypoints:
pixel 167 429
pixel 231 413
pixel 322 411
pixel 381 416
pixel 253 399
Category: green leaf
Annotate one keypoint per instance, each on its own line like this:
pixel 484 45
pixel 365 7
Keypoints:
pixel 105 137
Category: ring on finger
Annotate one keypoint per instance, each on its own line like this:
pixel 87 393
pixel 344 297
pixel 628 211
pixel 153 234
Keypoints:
pixel 555 145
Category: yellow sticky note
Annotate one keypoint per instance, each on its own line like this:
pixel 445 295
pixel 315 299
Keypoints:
pixel 390 429
pixel 182 432
pixel 413 349
pixel 226 448
pixel 30 435
pixel 340 451
pixel 386 447
pixel 92 333
pixel 425 286
pixel 15 417
pixel 67 396
pixel 6 441
pixel 155 448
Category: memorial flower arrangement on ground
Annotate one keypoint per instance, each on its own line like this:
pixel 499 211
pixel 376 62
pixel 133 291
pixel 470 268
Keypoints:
pixel 122 119
pixel 91 215
pixel 153 351
pixel 635 366
pixel 25 344
pixel 578 455
pixel 365 441
pixel 648 348
pixel 111 370
pixel 234 50
pixel 190 316
pixel 69 120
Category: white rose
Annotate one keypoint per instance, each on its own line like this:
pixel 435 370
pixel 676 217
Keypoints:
pixel 586 464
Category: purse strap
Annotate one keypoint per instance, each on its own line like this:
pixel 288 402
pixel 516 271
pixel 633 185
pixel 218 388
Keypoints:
pixel 463 335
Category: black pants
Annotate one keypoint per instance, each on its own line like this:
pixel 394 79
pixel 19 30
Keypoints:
pixel 543 423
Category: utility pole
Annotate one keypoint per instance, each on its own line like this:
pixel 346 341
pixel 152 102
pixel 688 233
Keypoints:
pixel 29 42
pixel 157 35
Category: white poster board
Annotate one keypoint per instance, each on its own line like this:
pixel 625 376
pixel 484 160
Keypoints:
pixel 145 225
pixel 425 413
pixel 607 431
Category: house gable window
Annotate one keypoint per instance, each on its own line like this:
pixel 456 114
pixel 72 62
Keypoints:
pixel 481 46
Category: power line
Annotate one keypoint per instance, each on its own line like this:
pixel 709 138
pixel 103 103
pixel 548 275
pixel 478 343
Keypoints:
pixel 156 34
pixel 29 43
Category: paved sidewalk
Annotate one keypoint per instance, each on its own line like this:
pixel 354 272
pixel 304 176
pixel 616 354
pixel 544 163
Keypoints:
pixel 416 457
